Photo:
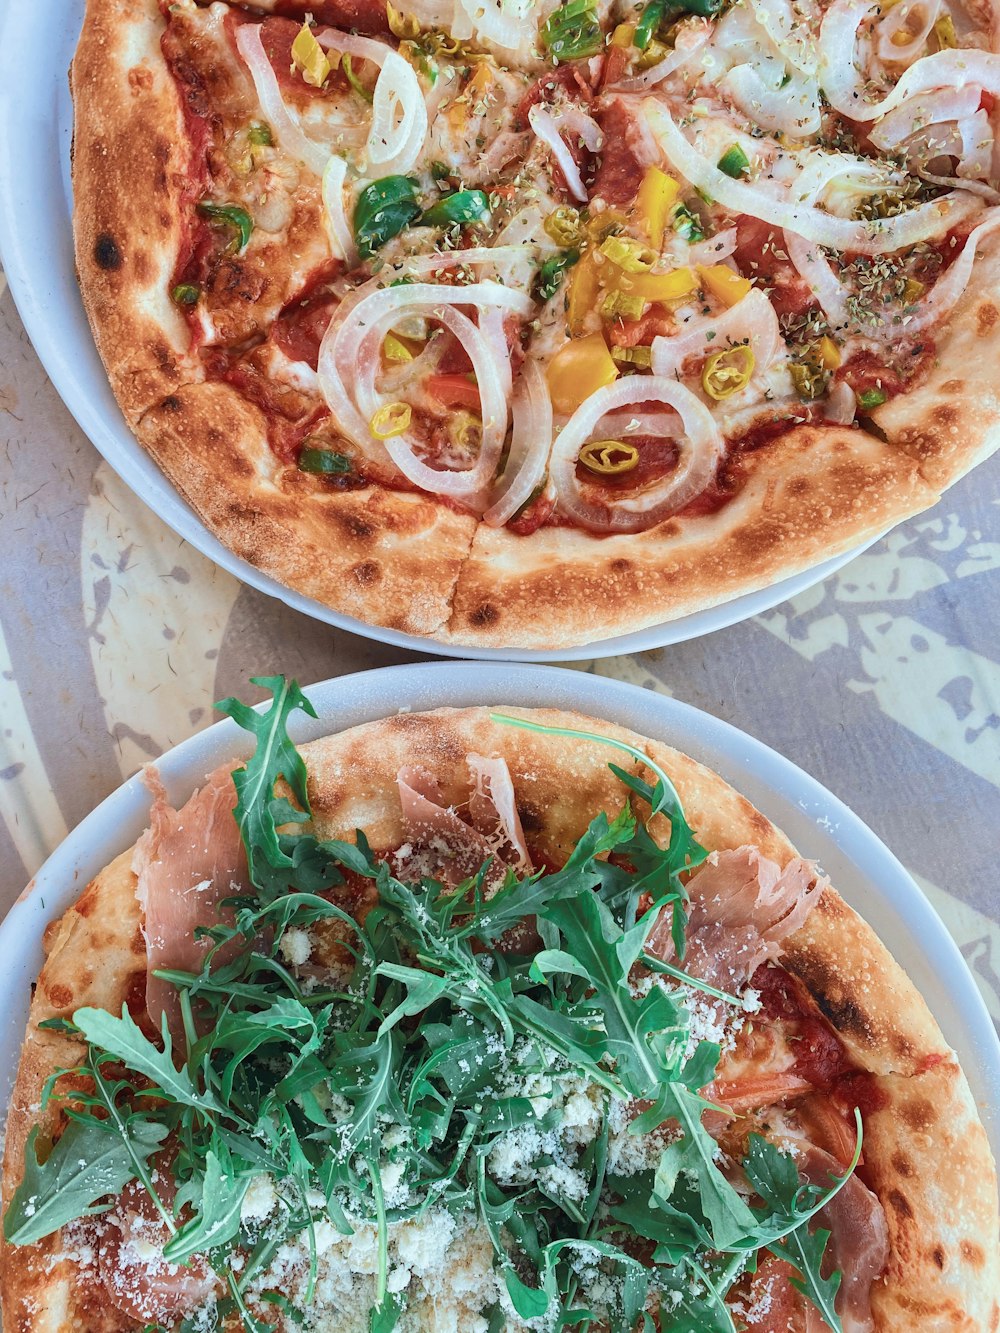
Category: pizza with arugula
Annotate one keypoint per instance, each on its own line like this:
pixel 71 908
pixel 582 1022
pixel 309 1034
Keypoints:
pixel 524 324
pixel 446 1023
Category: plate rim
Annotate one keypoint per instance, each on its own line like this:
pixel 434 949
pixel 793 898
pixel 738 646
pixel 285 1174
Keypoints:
pixel 417 686
pixel 81 383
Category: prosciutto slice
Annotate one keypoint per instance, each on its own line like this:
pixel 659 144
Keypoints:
pixel 440 844
pixel 859 1235
pixel 742 906
pixel 186 862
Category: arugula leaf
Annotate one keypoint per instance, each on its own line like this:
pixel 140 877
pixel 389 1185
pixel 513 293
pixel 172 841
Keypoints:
pixel 217 1218
pixel 87 1167
pixel 122 1039
pixel 275 757
pixel 805 1251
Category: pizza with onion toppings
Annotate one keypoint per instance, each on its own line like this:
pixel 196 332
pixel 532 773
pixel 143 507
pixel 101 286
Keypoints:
pixel 447 1023
pixel 525 324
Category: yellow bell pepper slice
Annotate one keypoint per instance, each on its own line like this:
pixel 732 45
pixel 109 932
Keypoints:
pixel 722 283
pixel 394 349
pixel 829 353
pixel 658 193
pixel 584 290
pixel 309 58
pixel 623 34
pixel 944 31
pixel 474 94
pixel 652 287
pixel 578 370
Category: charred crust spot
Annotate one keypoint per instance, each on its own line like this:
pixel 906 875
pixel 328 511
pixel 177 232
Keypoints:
pixel 358 527
pixel 902 1165
pixel 953 386
pixel 368 573
pixel 60 995
pixel 945 413
pixel 900 1204
pixel 918 1114
pixel 107 254
pixel 484 615
pixel 799 486
pixel 172 403
pixel 532 819
pixel 620 565
pixel 845 1016
pixel 972 1253
pixel 164 356
pixel 986 317
pixel 937 1256
pixel 138 944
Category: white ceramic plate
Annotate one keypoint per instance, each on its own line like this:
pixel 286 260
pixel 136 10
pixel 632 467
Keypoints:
pixel 861 867
pixel 37 40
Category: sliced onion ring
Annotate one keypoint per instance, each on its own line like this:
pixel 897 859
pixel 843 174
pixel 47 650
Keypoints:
pixel 700 449
pixel 529 446
pixel 751 320
pixel 690 40
pixel 283 122
pixel 338 228
pixel 546 128
pixel 881 236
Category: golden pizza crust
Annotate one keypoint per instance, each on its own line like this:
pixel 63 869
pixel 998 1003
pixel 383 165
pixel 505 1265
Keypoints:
pixel 926 1154
pixel 392 556
pixel 427 570
pixel 130 160
pixel 804 498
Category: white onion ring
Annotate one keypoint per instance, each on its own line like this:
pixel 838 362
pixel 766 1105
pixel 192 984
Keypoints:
pixel 713 249
pixel 350 352
pixel 952 68
pixel 867 238
pixel 751 320
pixel 586 128
pixel 948 290
pixel 499 21
pixel 701 449
pixel 810 262
pixel 470 484
pixel 841 404
pixel 283 122
pixel 399 119
pixel 365 48
pixel 546 129
pixel 338 228
pixel 529 446
pixel 690 40
pixel 896 21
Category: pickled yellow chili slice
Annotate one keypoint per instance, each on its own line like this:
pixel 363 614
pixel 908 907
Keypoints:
pixel 728 371
pixel 609 458
pixel 390 420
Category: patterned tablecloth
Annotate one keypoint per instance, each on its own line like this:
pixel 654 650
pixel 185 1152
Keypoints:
pixel 116 637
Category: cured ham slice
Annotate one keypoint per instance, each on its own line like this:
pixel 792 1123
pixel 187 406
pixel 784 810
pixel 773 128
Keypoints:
pixel 441 845
pixel 140 1283
pixel 858 1248
pixel 859 1235
pixel 742 906
pixel 186 862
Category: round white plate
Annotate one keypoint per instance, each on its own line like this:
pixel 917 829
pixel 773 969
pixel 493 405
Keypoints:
pixel 37 41
pixel 862 868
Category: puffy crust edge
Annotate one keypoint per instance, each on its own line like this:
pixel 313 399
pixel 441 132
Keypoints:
pixel 130 161
pixel 806 497
pixel 388 557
